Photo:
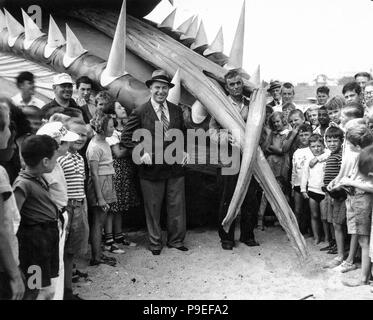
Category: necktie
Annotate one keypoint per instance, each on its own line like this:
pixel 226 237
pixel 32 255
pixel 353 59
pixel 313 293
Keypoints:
pixel 164 119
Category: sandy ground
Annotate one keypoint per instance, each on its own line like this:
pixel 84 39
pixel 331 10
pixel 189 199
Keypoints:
pixel 270 271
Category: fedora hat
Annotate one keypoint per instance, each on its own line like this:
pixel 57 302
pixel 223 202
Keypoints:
pixel 159 76
pixel 273 85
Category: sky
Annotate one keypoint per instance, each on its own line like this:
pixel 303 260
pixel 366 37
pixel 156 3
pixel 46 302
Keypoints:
pixel 291 40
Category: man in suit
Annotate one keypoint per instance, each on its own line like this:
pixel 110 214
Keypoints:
pixel 249 208
pixel 275 91
pixel 163 180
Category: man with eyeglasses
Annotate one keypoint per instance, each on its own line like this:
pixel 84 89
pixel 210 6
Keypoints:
pixel 368 98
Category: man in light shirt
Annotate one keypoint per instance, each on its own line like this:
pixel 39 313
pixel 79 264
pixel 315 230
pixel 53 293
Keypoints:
pixel 26 86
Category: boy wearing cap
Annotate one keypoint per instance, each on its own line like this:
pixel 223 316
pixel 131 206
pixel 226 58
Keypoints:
pixel 72 164
pixel 58 187
pixel 63 90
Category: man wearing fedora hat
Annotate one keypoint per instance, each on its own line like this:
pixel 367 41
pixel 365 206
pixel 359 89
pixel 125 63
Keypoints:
pixel 159 181
pixel 275 91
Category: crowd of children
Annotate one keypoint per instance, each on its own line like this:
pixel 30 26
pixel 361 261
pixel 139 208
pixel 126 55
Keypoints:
pixel 65 169
pixel 324 156
pixel 71 164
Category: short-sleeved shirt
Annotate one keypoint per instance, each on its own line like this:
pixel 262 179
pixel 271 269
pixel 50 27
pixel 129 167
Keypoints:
pixel 11 215
pixel 18 101
pixel 57 186
pixel 332 167
pixel 100 151
pixel 38 206
pixel 72 165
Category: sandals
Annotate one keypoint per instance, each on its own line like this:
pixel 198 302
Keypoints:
pixel 347 266
pixel 113 248
pixel 128 243
pixel 333 263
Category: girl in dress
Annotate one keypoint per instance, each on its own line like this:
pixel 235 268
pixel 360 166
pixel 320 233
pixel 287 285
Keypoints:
pixel 125 175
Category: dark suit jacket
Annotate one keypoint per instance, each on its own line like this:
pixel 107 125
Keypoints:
pixel 144 117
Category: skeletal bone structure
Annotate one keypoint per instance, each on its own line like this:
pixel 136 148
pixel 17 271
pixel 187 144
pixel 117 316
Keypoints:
pixel 137 47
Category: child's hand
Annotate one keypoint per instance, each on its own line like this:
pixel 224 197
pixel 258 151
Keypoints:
pixel 305 195
pixel 313 162
pixel 103 205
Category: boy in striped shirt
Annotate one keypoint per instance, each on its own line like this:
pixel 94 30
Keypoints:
pixel 336 208
pixel 77 230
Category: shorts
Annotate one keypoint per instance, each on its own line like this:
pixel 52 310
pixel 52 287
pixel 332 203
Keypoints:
pixel 316 196
pixel 77 230
pixel 359 213
pixel 39 247
pixel 328 208
pixel 297 189
pixel 107 190
pixel 339 211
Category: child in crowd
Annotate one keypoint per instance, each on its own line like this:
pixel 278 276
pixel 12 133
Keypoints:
pixel 11 283
pixel 101 193
pixel 38 234
pixel 365 167
pixel 58 190
pixel 277 159
pixel 323 119
pixel 359 202
pixel 72 164
pixel 333 108
pixel 352 110
pixel 286 109
pixel 313 114
pixel 124 180
pixel 335 204
pixel 296 118
pixel 311 184
pixel 300 157
pixel 358 136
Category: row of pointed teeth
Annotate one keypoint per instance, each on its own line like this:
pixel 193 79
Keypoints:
pixel 189 29
pixel 115 67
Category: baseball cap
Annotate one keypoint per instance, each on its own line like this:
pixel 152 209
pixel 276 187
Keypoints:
pixel 62 78
pixel 57 130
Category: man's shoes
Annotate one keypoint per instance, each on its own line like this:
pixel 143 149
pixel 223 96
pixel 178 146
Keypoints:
pixel 68 295
pixel 251 243
pixel 156 252
pixel 227 246
pixel 182 248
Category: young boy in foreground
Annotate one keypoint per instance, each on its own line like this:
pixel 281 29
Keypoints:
pixel 38 234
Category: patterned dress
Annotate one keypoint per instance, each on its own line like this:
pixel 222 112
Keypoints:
pixel 124 179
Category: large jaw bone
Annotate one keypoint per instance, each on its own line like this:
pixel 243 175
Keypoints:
pixel 253 132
